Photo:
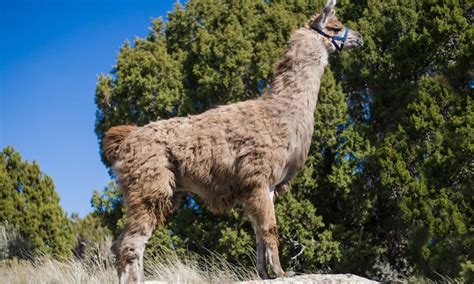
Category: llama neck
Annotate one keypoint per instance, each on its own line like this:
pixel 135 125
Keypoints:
pixel 298 75
pixel 294 92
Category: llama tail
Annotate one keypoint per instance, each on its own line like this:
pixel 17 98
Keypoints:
pixel 112 140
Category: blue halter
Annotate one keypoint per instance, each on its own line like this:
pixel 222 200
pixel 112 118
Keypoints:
pixel 335 39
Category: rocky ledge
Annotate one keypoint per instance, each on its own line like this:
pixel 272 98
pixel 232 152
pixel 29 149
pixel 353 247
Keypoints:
pixel 305 278
pixel 317 278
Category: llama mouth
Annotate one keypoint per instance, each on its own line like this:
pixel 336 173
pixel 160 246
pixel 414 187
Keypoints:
pixel 354 43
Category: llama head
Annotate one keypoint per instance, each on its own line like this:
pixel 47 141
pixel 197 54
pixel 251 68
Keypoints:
pixel 328 26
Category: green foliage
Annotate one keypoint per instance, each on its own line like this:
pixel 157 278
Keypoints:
pixel 389 179
pixel 307 243
pixel 415 68
pixel 93 240
pixel 30 206
pixel 467 271
pixel 90 229
pixel 107 208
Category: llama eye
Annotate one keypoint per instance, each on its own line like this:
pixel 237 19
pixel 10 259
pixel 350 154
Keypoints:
pixel 336 29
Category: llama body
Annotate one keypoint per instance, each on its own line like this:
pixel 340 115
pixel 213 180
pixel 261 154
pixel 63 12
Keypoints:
pixel 225 152
pixel 243 152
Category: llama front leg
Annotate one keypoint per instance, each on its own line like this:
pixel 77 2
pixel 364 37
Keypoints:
pixel 261 259
pixel 259 209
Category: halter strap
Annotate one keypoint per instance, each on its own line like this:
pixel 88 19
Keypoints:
pixel 335 39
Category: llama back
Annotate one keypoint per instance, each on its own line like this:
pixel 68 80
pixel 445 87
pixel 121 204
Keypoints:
pixel 226 146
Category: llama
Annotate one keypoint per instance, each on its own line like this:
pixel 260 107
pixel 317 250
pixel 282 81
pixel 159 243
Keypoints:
pixel 245 152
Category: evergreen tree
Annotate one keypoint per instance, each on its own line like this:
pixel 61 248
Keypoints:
pixel 390 172
pixel 89 229
pixel 409 91
pixel 92 238
pixel 107 208
pixel 30 205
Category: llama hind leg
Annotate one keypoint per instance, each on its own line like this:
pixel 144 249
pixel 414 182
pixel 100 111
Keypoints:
pixel 148 205
pixel 129 249
pixel 259 209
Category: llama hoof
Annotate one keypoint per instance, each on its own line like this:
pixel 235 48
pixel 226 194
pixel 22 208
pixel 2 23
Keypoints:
pixel 285 274
pixel 289 274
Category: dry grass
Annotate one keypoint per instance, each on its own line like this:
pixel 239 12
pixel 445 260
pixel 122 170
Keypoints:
pixel 169 268
pixel 97 266
pixel 47 270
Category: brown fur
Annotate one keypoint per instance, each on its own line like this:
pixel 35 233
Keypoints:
pixel 245 152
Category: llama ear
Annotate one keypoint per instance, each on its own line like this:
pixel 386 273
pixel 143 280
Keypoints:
pixel 330 4
pixel 328 12
pixel 321 20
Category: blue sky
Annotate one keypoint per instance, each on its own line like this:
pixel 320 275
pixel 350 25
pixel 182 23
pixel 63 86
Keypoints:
pixel 50 55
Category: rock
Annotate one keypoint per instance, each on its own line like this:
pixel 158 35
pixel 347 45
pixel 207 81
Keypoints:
pixel 316 278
